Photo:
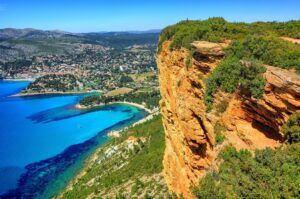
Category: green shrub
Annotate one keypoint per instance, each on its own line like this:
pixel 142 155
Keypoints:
pixel 269 49
pixel 216 29
pixel 222 106
pixel 218 133
pixel 231 74
pixel 251 79
pixel 270 174
pixel 188 60
pixel 291 128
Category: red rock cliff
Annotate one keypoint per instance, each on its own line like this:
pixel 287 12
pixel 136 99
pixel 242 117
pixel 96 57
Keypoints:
pixel 190 140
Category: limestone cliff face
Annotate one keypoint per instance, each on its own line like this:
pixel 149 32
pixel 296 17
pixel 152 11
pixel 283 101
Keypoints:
pixel 189 130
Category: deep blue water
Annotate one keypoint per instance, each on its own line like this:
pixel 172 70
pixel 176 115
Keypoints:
pixel 44 140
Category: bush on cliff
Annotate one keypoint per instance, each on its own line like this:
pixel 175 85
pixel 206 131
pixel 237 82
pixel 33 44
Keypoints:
pixel 291 128
pixel 218 129
pixel 270 174
pixel 216 29
pixel 232 74
pixel 268 49
pixel 185 32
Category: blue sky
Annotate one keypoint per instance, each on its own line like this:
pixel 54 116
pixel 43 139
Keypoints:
pixel 120 15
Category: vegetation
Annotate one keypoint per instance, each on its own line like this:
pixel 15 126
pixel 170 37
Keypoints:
pixel 291 128
pixel 222 106
pixel 232 74
pixel 188 60
pixel 54 83
pixel 216 29
pixel 269 49
pixel 149 98
pixel 125 79
pixel 126 171
pixel 218 128
pixel 19 63
pixel 270 174
pixel 185 32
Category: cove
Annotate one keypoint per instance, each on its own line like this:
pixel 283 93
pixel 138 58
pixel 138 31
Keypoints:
pixel 44 140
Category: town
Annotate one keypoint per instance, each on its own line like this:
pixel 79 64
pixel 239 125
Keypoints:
pixel 93 66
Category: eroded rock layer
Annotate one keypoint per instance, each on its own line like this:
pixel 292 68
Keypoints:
pixel 189 129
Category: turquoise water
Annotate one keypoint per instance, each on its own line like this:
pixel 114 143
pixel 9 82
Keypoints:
pixel 44 139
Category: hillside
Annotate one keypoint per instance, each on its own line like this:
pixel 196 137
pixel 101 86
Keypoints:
pixel 228 84
pixel 125 167
pixel 97 61
pixel 24 43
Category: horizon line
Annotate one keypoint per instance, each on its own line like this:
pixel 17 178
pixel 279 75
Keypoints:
pixel 148 29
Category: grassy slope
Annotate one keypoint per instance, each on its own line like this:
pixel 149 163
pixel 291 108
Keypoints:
pixel 129 172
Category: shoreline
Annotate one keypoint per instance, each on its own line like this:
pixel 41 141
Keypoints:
pixel 20 80
pixel 55 93
pixel 81 107
pixel 118 133
pixel 93 156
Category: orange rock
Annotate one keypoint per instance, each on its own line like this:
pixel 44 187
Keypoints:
pixel 189 134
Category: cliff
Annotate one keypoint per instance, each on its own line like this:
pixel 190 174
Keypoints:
pixel 248 123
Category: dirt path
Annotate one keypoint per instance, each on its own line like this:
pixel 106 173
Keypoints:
pixel 296 41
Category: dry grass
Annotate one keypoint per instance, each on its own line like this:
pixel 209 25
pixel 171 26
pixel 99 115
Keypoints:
pixel 141 77
pixel 119 91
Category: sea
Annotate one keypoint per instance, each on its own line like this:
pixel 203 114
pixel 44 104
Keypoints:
pixel 45 140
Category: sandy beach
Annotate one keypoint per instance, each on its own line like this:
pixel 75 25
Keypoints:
pixel 78 106
pixel 20 80
pixel 55 93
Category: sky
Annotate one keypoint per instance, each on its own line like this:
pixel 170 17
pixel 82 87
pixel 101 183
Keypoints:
pixel 124 15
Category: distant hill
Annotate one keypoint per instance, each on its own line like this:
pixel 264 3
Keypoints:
pixel 23 43
pixel 30 33
pixel 122 39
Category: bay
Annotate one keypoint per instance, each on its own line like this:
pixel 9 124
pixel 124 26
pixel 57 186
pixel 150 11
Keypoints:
pixel 47 136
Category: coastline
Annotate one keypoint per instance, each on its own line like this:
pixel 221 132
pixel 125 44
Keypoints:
pixel 81 107
pixel 93 156
pixel 20 80
pixel 118 133
pixel 55 93
pixel 66 157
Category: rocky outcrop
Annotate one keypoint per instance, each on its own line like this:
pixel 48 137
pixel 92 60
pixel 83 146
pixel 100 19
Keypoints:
pixel 255 123
pixel 189 129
